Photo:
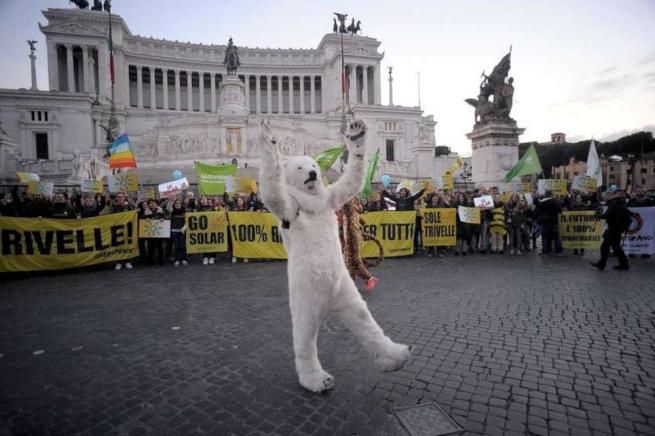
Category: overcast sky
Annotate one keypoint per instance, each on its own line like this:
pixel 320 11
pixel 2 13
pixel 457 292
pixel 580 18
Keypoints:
pixel 586 68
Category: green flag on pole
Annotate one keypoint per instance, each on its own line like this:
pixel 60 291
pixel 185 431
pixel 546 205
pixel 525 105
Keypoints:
pixel 528 164
pixel 212 179
pixel 327 158
pixel 370 174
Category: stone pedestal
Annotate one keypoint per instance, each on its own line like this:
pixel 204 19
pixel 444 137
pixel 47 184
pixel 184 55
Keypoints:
pixel 232 98
pixel 495 145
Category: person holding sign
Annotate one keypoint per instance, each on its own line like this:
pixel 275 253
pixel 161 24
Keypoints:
pixel 118 204
pixel 204 206
pixel 61 209
pixel 178 228
pixel 154 244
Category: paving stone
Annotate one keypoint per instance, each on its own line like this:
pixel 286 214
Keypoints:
pixel 521 346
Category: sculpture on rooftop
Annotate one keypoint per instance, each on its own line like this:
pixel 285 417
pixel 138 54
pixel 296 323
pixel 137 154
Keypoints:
pixel 97 5
pixel 82 4
pixel 231 60
pixel 496 93
pixel 352 28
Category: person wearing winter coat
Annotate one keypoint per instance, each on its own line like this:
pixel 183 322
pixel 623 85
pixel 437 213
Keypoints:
pixel 617 217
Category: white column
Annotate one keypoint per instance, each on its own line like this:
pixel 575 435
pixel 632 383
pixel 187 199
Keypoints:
pixel 69 68
pixel 212 87
pixel 85 68
pixel 302 94
pixel 352 92
pixel 365 81
pixel 53 66
pixel 280 97
pixel 201 91
pixel 291 94
pixel 153 89
pixel 189 88
pixel 323 92
pixel 178 105
pixel 312 97
pixel 269 94
pixel 246 79
pixel 92 81
pixel 164 74
pixel 258 94
pixel 104 79
pixel 376 85
pixel 139 86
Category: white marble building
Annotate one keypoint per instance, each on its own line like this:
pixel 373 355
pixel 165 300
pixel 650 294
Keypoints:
pixel 167 98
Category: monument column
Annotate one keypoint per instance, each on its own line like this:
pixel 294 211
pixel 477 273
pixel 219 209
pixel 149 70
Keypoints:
pixel 32 57
pixel 269 94
pixel 139 86
pixel 189 88
pixel 69 68
pixel 291 105
pixel 53 66
pixel 153 89
pixel 302 93
pixel 312 97
pixel 201 91
pixel 164 86
pixel 92 79
pixel 212 91
pixel 246 79
pixel 377 96
pixel 85 68
pixel 352 85
pixel 365 82
pixel 280 99
pixel 258 94
pixel 178 105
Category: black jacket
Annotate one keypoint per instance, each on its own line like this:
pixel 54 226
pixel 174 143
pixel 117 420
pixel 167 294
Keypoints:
pixel 404 203
pixel 548 209
pixel 617 214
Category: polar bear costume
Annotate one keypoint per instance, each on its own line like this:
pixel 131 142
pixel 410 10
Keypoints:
pixel 319 282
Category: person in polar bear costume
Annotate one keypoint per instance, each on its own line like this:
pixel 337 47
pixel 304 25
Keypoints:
pixel 319 282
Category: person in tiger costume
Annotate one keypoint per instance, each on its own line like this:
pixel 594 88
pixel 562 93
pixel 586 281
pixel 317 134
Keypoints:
pixel 352 235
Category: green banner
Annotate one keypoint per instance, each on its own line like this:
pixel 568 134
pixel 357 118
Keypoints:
pixel 327 158
pixel 211 179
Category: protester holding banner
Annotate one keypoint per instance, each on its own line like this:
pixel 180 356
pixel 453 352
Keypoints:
pixel 436 202
pixel 515 222
pixel 155 245
pixel 205 206
pixel 498 227
pixel 618 219
pixel 463 229
pixel 89 208
pixel 60 208
pixel 548 210
pixel 178 229
pixel 118 204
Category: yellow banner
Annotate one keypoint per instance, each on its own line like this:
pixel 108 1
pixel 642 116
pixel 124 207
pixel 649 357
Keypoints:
pixel 33 244
pixel 255 235
pixel 43 188
pixel 94 186
pixel 206 232
pixel 581 229
pixel 438 227
pixel 525 187
pixel 447 182
pixel 123 182
pixel 394 229
pixel 505 197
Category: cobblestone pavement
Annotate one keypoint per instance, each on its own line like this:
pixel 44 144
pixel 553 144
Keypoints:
pixel 504 344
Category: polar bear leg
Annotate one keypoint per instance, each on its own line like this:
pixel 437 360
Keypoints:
pixel 353 312
pixel 306 315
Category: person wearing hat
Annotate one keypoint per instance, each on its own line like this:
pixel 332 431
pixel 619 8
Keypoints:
pixel 618 217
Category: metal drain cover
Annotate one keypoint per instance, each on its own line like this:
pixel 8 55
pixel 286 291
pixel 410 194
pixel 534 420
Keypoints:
pixel 426 420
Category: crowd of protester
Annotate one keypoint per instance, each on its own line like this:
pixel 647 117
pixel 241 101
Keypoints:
pixel 75 205
pixel 513 226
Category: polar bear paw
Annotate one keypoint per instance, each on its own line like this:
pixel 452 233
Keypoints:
pixel 394 357
pixel 316 381
pixel 356 134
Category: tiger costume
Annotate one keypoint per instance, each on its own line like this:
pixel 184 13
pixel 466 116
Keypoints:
pixel 352 235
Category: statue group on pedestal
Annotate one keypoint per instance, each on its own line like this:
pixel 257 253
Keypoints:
pixel 353 28
pixel 496 93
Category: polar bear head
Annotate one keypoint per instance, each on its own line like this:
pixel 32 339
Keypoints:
pixel 304 174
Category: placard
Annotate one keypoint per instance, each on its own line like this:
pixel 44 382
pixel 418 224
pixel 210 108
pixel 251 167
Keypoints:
pixel 123 182
pixel 173 188
pixel 154 228
pixel 95 186
pixel 484 202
